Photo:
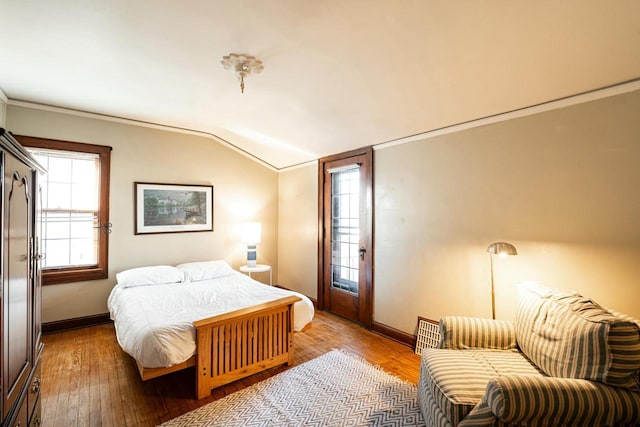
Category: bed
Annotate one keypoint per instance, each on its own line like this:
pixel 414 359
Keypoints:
pixel 207 315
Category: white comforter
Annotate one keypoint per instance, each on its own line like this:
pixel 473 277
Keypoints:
pixel 154 323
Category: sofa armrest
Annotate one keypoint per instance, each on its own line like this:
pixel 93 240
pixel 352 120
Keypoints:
pixel 464 333
pixel 534 400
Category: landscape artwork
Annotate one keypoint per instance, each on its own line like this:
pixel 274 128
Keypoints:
pixel 173 208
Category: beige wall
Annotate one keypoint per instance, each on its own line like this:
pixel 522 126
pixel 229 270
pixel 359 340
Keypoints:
pixel 562 186
pixel 298 230
pixel 3 112
pixel 243 191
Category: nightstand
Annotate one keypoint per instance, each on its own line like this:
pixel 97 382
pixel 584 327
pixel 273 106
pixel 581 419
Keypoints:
pixel 259 268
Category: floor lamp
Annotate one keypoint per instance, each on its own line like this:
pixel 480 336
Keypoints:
pixel 502 249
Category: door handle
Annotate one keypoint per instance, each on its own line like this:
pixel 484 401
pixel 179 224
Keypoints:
pixel 105 227
pixel 362 252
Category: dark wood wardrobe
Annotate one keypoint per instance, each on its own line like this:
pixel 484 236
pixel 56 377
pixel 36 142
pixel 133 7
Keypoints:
pixel 21 285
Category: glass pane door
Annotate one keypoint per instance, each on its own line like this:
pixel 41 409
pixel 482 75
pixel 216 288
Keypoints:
pixel 345 259
pixel 345 229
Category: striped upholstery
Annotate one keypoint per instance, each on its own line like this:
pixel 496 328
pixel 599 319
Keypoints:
pixel 462 333
pixel 482 416
pixel 630 319
pixel 569 336
pixel 579 365
pixel 546 401
pixel 431 412
pixel 624 317
pixel 456 380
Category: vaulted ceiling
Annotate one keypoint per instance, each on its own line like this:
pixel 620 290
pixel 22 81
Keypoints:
pixel 338 74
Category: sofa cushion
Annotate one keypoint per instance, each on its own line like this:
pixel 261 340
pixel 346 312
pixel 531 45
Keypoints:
pixel 465 333
pixel 527 400
pixel 569 336
pixel 522 400
pixel 457 379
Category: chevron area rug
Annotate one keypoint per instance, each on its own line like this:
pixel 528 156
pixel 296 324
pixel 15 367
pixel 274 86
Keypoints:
pixel 335 389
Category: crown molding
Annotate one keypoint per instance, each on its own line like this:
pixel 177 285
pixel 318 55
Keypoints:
pixel 151 125
pixel 299 166
pixel 592 95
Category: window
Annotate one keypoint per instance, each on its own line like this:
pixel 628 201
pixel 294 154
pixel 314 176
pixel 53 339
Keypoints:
pixel 345 228
pixel 75 209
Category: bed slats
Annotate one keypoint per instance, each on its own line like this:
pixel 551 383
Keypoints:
pixel 234 345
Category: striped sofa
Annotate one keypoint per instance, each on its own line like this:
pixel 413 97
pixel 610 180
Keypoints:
pixel 563 361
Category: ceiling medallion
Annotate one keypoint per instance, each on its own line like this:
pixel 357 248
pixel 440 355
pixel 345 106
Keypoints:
pixel 242 66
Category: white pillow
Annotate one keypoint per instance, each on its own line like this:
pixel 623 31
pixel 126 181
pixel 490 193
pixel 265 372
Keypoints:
pixel 196 271
pixel 155 275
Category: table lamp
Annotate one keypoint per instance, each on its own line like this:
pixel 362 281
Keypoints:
pixel 251 237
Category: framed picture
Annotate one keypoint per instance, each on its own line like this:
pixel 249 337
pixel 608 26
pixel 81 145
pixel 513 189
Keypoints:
pixel 173 208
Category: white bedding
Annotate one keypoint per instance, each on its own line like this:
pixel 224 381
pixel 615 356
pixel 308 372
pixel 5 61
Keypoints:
pixel 154 323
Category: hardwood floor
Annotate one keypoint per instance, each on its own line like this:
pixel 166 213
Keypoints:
pixel 87 380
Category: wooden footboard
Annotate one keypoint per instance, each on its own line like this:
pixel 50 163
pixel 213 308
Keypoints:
pixel 234 345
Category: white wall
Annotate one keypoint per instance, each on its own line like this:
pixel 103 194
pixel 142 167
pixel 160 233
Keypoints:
pixel 243 191
pixel 562 186
pixel 298 230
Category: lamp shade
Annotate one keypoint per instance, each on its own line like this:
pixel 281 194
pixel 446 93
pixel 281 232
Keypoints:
pixel 251 233
pixel 502 248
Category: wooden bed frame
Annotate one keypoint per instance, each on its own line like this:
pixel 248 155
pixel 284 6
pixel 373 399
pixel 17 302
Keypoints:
pixel 237 344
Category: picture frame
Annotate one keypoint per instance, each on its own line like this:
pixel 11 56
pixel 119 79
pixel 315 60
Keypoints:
pixel 172 208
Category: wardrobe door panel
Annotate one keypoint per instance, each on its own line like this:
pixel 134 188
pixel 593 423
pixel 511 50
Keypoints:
pixel 17 295
pixel 36 268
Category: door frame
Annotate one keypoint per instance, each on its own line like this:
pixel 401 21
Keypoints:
pixel 365 312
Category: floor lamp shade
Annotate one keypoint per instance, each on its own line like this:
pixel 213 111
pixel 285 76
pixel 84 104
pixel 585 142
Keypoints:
pixel 251 232
pixel 502 249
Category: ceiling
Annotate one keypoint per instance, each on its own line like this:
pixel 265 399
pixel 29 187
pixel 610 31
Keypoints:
pixel 338 74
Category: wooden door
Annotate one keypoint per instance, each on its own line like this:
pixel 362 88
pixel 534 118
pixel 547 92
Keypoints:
pixel 346 236
pixel 17 317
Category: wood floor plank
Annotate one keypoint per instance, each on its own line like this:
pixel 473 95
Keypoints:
pixel 89 381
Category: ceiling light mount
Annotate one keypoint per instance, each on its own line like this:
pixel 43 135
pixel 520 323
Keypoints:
pixel 242 66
